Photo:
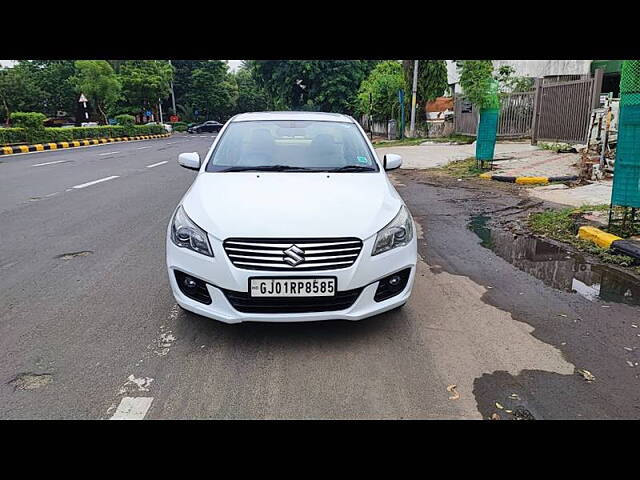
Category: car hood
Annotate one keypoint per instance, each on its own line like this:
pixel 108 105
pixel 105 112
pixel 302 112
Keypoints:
pixel 278 204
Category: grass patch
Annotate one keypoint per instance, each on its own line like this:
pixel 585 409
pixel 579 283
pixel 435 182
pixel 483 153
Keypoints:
pixel 464 139
pixel 556 147
pixel 405 142
pixel 462 168
pixel 561 225
pixel 399 143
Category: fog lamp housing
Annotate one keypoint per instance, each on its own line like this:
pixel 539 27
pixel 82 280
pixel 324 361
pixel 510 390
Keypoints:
pixel 392 285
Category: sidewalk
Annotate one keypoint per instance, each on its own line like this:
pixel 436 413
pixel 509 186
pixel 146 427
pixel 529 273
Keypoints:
pixel 597 193
pixel 434 155
pixel 537 163
pixel 514 160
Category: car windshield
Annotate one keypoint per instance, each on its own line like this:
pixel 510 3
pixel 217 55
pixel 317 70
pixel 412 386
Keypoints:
pixel 295 145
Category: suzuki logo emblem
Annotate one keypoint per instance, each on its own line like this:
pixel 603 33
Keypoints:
pixel 293 255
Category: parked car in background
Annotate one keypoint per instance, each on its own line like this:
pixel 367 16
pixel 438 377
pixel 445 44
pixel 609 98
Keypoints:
pixel 208 126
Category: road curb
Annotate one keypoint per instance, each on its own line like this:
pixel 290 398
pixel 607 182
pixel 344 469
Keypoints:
pixel 607 240
pixel 40 147
pixel 528 180
pixel 599 237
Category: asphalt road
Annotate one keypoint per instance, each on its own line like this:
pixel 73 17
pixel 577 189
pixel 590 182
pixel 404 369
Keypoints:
pixel 87 317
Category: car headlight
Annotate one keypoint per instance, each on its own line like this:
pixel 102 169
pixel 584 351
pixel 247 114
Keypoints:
pixel 397 233
pixel 185 233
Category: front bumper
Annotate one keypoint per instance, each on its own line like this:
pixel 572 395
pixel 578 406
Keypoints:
pixel 219 273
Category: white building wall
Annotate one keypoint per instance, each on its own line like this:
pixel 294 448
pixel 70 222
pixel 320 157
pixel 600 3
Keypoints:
pixel 530 68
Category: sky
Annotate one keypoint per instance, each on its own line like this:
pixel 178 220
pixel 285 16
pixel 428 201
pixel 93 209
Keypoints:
pixel 233 64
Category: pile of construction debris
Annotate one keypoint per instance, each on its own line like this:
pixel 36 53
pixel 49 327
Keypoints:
pixel 598 155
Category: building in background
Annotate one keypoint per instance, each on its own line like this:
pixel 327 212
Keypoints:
pixel 552 71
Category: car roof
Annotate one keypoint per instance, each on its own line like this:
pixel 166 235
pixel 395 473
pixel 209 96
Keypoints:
pixel 313 116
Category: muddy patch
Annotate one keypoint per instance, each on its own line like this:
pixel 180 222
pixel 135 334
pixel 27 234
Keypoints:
pixel 557 267
pixel 30 381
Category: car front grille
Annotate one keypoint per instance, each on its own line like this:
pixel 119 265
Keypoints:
pixel 243 302
pixel 292 254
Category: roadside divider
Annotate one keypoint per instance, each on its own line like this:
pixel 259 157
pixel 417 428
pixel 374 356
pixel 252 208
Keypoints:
pixel 528 180
pixel 40 147
pixel 609 241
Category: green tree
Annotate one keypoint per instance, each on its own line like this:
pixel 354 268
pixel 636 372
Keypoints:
pixel 381 86
pixel 477 83
pixel 432 81
pixel 144 82
pixel 251 97
pixel 212 91
pixel 18 92
pixel 183 70
pixel 479 87
pixel 99 83
pixel 54 82
pixel 508 82
pixel 325 85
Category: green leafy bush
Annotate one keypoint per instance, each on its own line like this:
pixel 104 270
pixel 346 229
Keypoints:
pixel 179 126
pixel 53 135
pixel 32 122
pixel 28 120
pixel 10 136
pixel 126 120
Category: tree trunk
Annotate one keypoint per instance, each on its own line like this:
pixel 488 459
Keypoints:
pixel 6 107
pixel 104 117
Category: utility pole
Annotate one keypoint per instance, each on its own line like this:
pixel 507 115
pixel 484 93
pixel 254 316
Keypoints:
pixel 160 110
pixel 412 131
pixel 173 95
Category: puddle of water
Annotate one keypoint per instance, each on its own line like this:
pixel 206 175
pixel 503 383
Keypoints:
pixel 557 267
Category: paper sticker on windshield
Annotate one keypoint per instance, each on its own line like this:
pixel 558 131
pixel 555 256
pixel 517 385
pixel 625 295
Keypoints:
pixel 364 160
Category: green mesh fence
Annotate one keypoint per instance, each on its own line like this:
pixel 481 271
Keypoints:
pixel 487 130
pixel 626 179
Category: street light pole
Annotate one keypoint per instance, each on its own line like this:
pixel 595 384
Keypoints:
pixel 412 130
pixel 173 95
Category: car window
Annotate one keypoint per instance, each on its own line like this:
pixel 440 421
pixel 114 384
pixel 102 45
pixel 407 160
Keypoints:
pixel 299 144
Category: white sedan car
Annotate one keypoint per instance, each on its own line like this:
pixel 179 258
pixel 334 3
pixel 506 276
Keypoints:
pixel 291 218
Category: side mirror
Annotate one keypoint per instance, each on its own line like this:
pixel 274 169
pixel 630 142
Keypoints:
pixel 189 160
pixel 392 161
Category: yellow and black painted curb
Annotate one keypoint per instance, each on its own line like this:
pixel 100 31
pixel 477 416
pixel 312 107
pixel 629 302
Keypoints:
pixel 528 180
pixel 609 241
pixel 39 147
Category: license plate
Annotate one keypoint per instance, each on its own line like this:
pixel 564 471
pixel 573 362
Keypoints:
pixel 292 287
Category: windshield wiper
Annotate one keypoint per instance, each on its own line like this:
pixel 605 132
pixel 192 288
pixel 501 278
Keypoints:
pixel 352 168
pixel 266 168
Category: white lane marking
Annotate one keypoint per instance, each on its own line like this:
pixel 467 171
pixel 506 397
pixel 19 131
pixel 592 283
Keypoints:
pixel 52 194
pixel 156 164
pixel 49 163
pixel 88 184
pixel 140 148
pixel 134 384
pixel 171 143
pixel 108 153
pixel 132 408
